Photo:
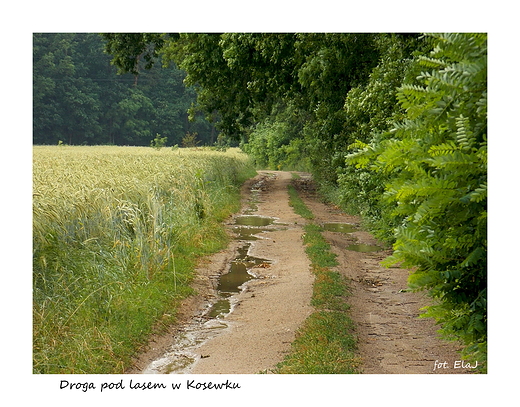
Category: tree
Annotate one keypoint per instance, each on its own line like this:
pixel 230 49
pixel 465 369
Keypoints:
pixel 243 77
pixel 66 105
pixel 80 99
pixel 435 163
pixel 129 49
pixel 370 110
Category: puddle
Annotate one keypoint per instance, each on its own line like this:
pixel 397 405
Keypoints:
pixel 248 233
pixel 232 282
pixel 248 226
pixel 221 307
pixel 182 354
pixel 254 220
pixel 364 248
pixel 339 227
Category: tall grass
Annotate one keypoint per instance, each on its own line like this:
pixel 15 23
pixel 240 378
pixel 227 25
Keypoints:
pixel 116 234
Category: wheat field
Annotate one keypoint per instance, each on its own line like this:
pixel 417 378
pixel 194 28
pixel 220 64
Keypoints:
pixel 116 234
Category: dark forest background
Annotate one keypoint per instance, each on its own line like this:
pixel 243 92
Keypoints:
pixel 79 99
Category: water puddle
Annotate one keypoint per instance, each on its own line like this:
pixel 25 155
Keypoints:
pixel 182 354
pixel 339 227
pixel 232 282
pixel 364 248
pixel 247 227
pixel 254 220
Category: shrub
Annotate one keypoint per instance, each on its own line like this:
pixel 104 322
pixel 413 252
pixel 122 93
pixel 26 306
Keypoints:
pixel 435 162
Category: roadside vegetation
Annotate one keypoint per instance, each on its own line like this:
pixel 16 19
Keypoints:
pixel 392 126
pixel 325 344
pixel 117 232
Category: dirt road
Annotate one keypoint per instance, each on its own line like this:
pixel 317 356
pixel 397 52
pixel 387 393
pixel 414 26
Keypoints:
pixel 264 317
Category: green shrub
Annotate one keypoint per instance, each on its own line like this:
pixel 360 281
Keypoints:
pixel 435 162
pixel 158 142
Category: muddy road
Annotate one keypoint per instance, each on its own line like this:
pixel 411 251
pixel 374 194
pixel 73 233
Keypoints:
pixel 253 296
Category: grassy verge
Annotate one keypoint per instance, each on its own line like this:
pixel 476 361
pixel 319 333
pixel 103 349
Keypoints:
pixel 297 204
pixel 325 343
pixel 117 233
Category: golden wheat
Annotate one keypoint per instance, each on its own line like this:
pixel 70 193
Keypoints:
pixel 114 229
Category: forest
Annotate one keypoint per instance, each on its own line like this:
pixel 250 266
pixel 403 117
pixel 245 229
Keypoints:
pixel 393 127
pixel 79 99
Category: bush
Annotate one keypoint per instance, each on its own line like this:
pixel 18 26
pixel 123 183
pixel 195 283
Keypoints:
pixel 435 163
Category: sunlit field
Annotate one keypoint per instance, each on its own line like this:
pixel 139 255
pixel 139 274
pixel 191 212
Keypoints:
pixel 116 235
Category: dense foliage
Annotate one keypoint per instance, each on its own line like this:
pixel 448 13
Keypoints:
pixel 422 179
pixel 80 99
pixel 436 163
pixel 393 127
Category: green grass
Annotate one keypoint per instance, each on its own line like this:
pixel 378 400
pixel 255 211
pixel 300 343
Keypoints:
pixel 325 344
pixel 298 205
pixel 317 247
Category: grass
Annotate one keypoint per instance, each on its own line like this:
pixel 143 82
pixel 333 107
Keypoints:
pixel 322 346
pixel 325 344
pixel 117 232
pixel 298 205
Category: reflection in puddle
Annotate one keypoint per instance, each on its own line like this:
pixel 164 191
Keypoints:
pixel 221 307
pixel 232 282
pixel 247 227
pixel 254 220
pixel 364 248
pixel 247 233
pixel 340 227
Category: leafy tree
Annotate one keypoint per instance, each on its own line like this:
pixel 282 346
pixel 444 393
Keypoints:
pixel 436 164
pixel 66 105
pixel 129 49
pixel 244 77
pixel 276 141
pixel 370 110
pixel 136 110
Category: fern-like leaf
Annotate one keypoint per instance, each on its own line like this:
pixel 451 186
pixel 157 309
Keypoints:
pixel 446 148
pixel 465 137
pixel 479 194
